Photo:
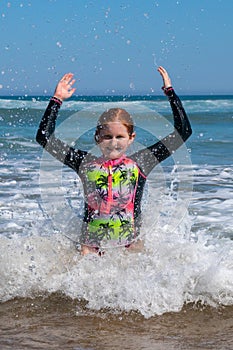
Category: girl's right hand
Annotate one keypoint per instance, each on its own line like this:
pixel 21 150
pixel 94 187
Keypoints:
pixel 64 88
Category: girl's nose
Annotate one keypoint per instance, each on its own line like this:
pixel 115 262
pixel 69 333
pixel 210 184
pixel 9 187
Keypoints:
pixel 113 141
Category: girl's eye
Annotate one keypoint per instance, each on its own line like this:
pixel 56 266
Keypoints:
pixel 109 137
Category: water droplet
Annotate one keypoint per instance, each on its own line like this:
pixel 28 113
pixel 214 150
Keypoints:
pixel 131 85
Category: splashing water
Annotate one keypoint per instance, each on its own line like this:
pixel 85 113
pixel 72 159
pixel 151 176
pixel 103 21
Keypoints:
pixel 155 60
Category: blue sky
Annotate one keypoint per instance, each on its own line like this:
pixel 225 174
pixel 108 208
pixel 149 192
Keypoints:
pixel 113 47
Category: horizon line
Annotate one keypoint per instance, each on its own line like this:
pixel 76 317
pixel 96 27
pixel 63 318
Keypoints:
pixel 128 95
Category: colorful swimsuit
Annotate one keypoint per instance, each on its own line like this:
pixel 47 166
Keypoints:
pixel 113 189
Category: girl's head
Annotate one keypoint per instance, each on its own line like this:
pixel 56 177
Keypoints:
pixel 114 132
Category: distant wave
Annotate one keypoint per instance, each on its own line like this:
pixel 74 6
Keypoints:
pixel 193 104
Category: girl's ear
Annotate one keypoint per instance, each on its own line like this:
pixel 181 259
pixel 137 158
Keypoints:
pixel 97 138
pixel 132 137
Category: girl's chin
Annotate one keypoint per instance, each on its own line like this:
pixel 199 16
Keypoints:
pixel 112 155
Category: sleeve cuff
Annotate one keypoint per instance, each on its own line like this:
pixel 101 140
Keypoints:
pixel 168 91
pixel 57 100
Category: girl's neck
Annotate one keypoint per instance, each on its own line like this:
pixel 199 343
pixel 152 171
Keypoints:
pixel 112 161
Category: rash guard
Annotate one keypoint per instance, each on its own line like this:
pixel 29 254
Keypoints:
pixel 113 188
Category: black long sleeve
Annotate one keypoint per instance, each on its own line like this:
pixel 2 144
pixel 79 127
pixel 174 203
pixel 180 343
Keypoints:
pixel 57 148
pixel 48 122
pixel 148 158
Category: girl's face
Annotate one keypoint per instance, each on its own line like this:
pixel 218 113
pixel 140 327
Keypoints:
pixel 114 140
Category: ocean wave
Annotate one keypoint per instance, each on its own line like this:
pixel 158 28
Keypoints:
pixel 187 258
pixel 193 104
pixel 170 273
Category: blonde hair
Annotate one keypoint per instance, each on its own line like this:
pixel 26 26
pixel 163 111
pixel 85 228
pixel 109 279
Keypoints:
pixel 115 115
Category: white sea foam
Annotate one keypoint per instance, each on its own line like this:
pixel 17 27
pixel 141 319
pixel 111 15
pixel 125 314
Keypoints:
pixel 170 272
pixel 192 105
pixel 177 266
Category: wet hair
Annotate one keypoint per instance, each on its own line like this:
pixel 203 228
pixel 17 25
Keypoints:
pixel 115 115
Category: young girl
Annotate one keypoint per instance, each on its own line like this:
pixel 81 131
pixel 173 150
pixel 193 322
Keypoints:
pixel 113 183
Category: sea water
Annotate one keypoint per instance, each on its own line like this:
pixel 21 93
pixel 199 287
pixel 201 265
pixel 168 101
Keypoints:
pixel 187 259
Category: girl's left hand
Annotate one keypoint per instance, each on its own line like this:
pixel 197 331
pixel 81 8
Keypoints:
pixel 166 79
pixel 64 88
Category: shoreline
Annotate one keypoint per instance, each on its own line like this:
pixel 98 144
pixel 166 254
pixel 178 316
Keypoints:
pixel 58 322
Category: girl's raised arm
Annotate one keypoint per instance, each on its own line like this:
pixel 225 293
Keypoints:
pixel 149 157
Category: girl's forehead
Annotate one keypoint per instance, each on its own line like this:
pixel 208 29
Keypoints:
pixel 116 122
pixel 113 126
